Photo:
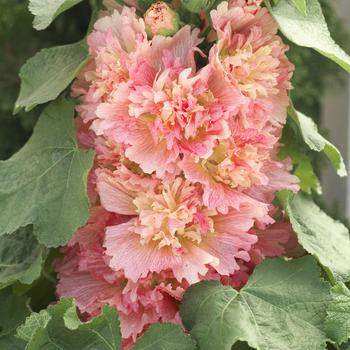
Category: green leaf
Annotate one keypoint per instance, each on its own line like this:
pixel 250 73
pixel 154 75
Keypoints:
pixel 165 336
pixel 48 330
pixel 34 322
pixel 48 73
pixel 316 141
pixel 96 7
pixel 294 148
pixel 305 172
pixel 283 306
pixel 309 30
pixel 308 180
pixel 21 257
pixel 301 6
pixel 13 311
pixel 197 6
pixel 45 11
pixel 45 182
pixel 338 318
pixel 328 240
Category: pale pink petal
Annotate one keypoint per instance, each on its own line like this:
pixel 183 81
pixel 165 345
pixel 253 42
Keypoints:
pixel 194 264
pixel 133 324
pixel 241 220
pixel 273 241
pixel 182 45
pixel 151 156
pixel 227 247
pixel 137 260
pixel 88 292
pixel 114 197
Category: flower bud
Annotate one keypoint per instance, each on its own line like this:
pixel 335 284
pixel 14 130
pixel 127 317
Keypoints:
pixel 161 19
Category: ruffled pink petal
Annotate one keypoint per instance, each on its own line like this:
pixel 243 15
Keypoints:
pixel 133 324
pixel 114 197
pixel 194 264
pixel 93 230
pixel 136 260
pixel 227 248
pixel 216 195
pixel 272 240
pixel 125 26
pixel 88 292
pixel 242 219
pixel 150 156
pixel 182 46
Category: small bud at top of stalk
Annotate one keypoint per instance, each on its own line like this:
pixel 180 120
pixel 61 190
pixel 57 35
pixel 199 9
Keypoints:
pixel 161 19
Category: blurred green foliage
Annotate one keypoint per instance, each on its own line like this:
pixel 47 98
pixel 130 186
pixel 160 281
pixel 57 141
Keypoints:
pixel 19 41
pixel 314 76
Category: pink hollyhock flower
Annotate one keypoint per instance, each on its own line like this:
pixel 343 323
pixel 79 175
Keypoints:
pixel 173 230
pixel 236 165
pixel 138 305
pixel 84 275
pixel 114 53
pixel 249 51
pixel 148 301
pixel 230 18
pixel 111 43
pixel 170 114
pixel 175 117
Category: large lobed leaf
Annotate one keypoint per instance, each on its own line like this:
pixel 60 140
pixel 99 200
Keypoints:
pixel 45 11
pixel 283 306
pixel 52 329
pixel 45 182
pixel 48 73
pixel 328 240
pixel 59 327
pixel 165 336
pixel 338 318
pixel 21 257
pixel 309 29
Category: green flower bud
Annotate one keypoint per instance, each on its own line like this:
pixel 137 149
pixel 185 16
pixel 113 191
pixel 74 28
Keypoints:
pixel 161 19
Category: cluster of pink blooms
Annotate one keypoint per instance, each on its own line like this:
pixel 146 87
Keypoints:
pixel 186 164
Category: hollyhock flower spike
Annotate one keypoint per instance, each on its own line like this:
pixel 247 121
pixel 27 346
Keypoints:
pixel 186 165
